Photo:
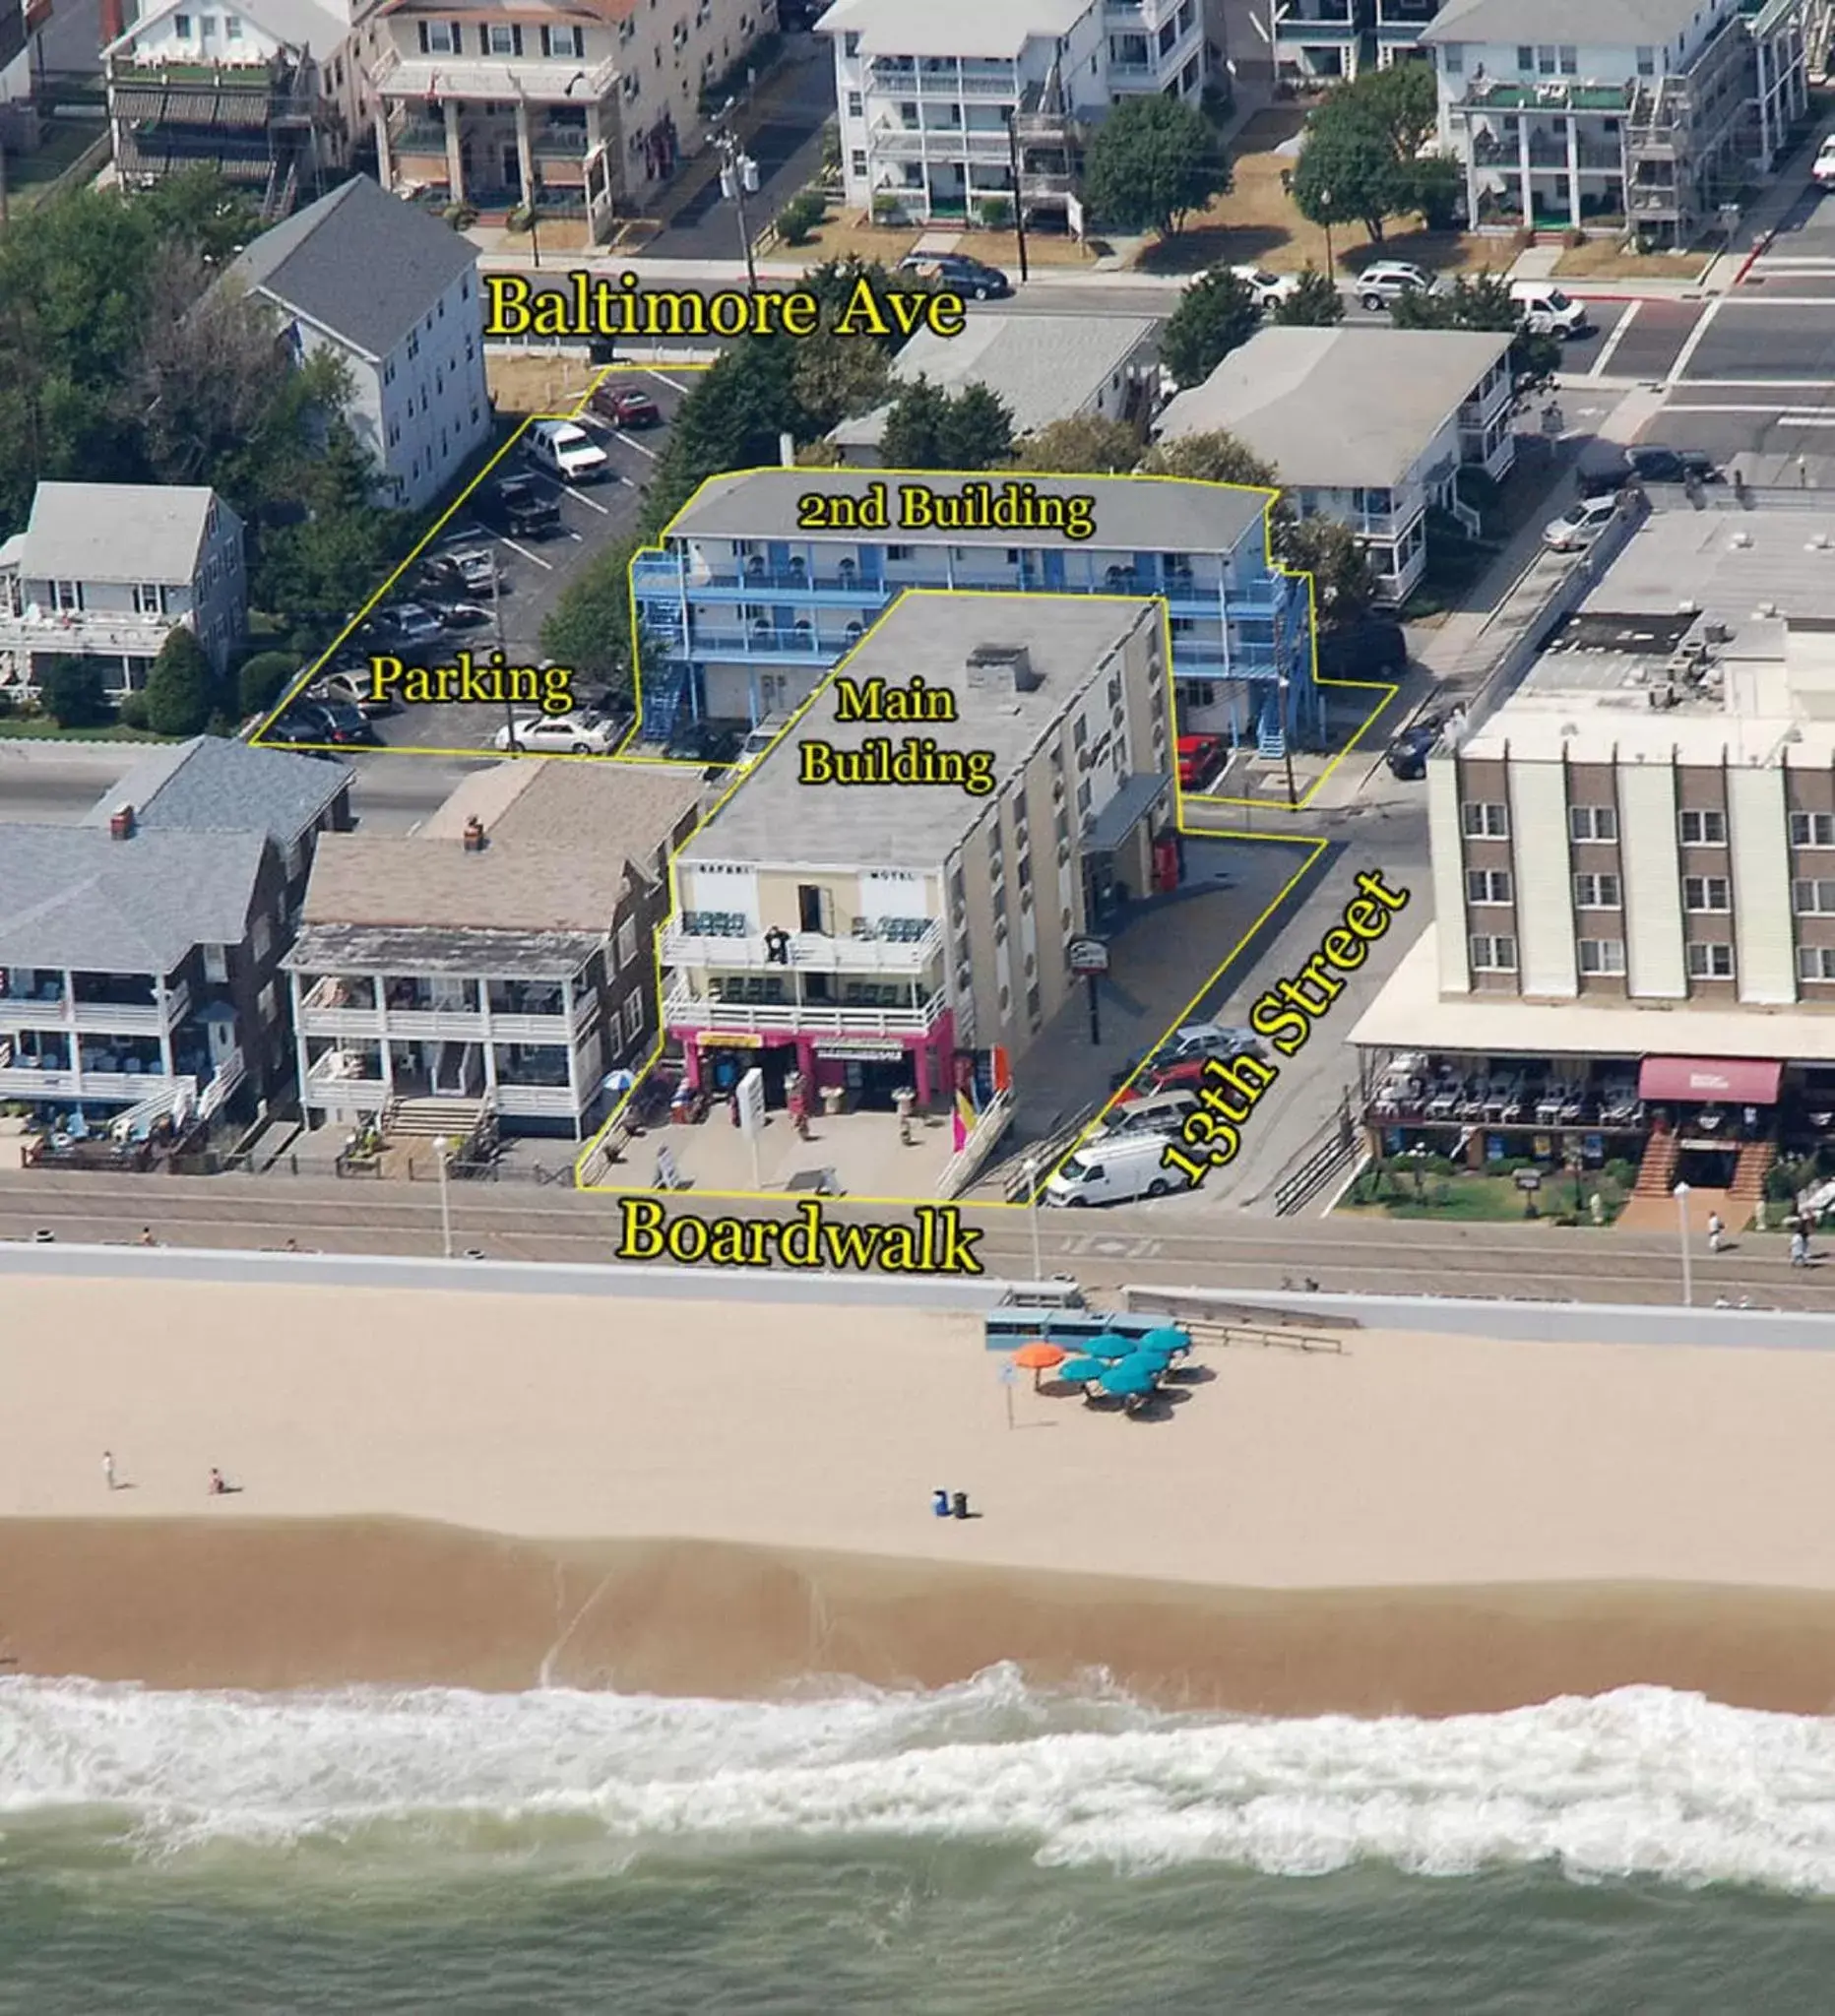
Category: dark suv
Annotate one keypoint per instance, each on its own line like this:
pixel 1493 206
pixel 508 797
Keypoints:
pixel 523 507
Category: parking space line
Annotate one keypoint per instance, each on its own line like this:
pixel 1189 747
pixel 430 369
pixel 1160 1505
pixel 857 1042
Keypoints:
pixel 580 497
pixel 1608 348
pixel 547 566
pixel 675 384
pixel 649 454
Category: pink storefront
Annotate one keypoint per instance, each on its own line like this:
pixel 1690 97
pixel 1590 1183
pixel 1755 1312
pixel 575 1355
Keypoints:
pixel 872 1066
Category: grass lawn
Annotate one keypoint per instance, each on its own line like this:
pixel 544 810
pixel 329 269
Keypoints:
pixel 1258 221
pixel 1605 258
pixel 851 234
pixel 29 176
pixel 48 732
pixel 1473 1199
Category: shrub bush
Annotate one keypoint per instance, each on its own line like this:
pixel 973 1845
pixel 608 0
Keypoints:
pixel 520 219
pixel 72 692
pixel 800 216
pixel 885 206
pixel 132 712
pixel 996 213
pixel 461 216
pixel 263 679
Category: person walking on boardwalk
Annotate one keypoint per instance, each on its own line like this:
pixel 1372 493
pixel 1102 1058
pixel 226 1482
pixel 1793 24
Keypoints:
pixel 109 1469
pixel 1715 1230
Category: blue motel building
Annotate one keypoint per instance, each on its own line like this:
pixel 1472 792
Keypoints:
pixel 744 608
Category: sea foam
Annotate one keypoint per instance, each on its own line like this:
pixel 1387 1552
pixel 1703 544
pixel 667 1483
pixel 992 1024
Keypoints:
pixel 1640 1781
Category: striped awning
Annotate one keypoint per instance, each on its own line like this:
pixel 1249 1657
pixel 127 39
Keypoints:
pixel 191 106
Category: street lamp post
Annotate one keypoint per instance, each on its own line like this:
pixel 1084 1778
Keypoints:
pixel 1287 743
pixel 1031 1167
pixel 443 1149
pixel 1325 211
pixel 1019 202
pixel 739 177
pixel 1681 1220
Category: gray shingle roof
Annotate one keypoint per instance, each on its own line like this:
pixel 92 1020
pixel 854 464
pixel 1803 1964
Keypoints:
pixel 115 532
pixel 72 896
pixel 1625 24
pixel 210 785
pixel 360 263
pixel 1041 367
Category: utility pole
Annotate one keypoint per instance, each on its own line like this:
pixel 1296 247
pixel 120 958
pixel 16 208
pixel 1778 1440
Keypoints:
pixel 1018 201
pixel 738 179
pixel 496 620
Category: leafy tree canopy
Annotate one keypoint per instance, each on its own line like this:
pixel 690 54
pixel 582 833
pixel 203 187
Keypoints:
pixel 179 688
pixel 1085 443
pixel 1316 303
pixel 1214 315
pixel 1150 163
pixel 929 429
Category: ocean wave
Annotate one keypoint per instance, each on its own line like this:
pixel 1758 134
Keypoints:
pixel 1640 1781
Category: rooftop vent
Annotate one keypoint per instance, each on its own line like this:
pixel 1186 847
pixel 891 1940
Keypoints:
pixel 474 835
pixel 1818 545
pixel 1741 538
pixel 121 823
pixel 989 662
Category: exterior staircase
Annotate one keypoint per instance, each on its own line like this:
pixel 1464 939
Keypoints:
pixel 1656 1173
pixel 1270 741
pixel 460 1121
pixel 1751 1170
pixel 665 691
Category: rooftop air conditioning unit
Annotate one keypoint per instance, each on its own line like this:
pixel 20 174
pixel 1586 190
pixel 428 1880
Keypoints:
pixel 1741 538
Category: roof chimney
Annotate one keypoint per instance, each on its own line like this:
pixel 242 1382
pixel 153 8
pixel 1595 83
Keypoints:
pixel 121 823
pixel 474 835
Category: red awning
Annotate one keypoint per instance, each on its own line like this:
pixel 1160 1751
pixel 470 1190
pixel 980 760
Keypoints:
pixel 1716 1081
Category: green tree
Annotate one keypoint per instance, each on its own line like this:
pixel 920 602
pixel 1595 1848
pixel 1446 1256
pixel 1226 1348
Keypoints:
pixel 1084 444
pixel 197 208
pixel 837 377
pixel 1214 315
pixel 731 420
pixel 589 629
pixel 834 284
pixel 71 690
pixel 179 688
pixel 1316 303
pixel 1481 303
pixel 1347 171
pixel 263 677
pixel 1402 100
pixel 1436 189
pixel 929 429
pixel 311 567
pixel 1150 163
pixel 1217 457
pixel 1344 589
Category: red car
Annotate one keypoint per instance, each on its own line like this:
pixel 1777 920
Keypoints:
pixel 1198 759
pixel 624 408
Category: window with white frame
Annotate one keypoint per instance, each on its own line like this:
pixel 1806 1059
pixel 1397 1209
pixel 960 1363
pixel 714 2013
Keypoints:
pixel 1813 898
pixel 1709 893
pixel 633 1013
pixel 1596 892
pixel 1493 954
pixel 1601 954
pixel 1815 962
pixel 627 941
pixel 1704 829
pixel 1487 885
pixel 1486 822
pixel 1593 822
pixel 440 37
pixel 1710 962
pixel 564 42
pixel 216 964
pixel 1812 829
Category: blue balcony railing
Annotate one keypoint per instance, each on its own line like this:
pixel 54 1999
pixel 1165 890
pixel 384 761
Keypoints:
pixel 766 644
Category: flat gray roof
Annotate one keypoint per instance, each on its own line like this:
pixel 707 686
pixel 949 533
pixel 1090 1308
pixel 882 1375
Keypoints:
pixel 393 949
pixel 1338 409
pixel 1624 23
pixel 774 818
pixel 74 896
pixel 1726 564
pixel 951 27
pixel 115 532
pixel 1041 367
pixel 1146 514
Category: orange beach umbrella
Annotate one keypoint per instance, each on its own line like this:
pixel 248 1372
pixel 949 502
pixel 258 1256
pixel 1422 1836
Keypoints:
pixel 1038 1356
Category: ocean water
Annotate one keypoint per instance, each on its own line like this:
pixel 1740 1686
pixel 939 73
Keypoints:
pixel 984 1850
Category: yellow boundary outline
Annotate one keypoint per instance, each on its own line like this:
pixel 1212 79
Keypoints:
pixel 1313 845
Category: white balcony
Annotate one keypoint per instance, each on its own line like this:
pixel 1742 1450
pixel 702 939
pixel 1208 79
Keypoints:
pixel 537 1101
pixel 556 80
pixel 95 1017
pixel 807 951
pixel 101 1088
pixel 938 143
pixel 87 633
pixel 682 1010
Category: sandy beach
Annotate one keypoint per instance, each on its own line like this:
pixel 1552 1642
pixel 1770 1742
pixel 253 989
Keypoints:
pixel 719 1497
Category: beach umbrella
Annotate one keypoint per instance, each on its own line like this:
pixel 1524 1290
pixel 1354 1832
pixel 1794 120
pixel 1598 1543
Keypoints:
pixel 1039 1357
pixel 1109 1346
pixel 1132 1375
pixel 1157 1360
pixel 1081 1372
pixel 1166 1339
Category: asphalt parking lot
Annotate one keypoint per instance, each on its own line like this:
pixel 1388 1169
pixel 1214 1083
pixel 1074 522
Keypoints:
pixel 533 574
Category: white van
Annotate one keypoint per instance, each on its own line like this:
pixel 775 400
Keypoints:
pixel 1115 1172
pixel 568 452
pixel 1546 311
pixel 1159 1112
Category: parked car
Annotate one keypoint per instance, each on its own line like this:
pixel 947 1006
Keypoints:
pixel 1602 469
pixel 1361 650
pixel 1206 1039
pixel 1407 756
pixel 1579 525
pixel 1384 282
pixel 520 505
pixel 353 688
pixel 567 453
pixel 1162 1112
pixel 623 407
pixel 1546 311
pixel 960 274
pixel 1187 1075
pixel 757 741
pixel 1823 169
pixel 463 615
pixel 702 741
pixel 406 623
pixel 1115 1172
pixel 1652 462
pixel 1198 760
pixel 473 571
pixel 584 733
pixel 333 722
pixel 1268 288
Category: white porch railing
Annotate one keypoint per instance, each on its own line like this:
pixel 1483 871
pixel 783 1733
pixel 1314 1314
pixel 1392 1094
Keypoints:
pixel 809 951
pixel 681 1008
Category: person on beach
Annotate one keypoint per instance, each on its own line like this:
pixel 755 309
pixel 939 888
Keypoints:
pixel 109 1469
pixel 146 1236
pixel 1715 1230
pixel 217 1487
